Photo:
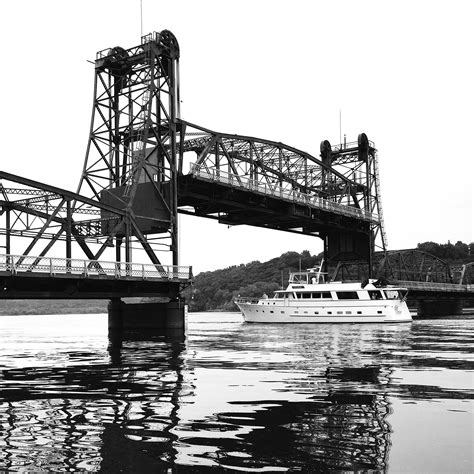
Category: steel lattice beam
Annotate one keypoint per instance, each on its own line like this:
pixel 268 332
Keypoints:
pixel 343 178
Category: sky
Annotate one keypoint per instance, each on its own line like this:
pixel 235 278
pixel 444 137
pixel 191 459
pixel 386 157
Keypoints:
pixel 402 72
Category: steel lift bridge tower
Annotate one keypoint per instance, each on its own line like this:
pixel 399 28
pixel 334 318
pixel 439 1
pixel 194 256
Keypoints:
pixel 131 155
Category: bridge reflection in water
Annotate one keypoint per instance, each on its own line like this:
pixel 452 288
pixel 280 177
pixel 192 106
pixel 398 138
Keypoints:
pixel 127 418
pixel 306 397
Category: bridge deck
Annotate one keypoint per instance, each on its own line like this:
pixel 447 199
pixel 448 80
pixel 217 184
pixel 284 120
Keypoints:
pixel 437 287
pixel 276 191
pixel 233 200
pixel 46 277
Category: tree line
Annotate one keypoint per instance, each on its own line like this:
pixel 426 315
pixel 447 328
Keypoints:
pixel 459 252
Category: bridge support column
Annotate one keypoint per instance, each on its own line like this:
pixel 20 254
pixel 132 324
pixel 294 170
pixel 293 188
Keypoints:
pixel 158 318
pixel 438 307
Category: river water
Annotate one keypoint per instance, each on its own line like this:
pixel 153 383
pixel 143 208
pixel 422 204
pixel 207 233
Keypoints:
pixel 235 396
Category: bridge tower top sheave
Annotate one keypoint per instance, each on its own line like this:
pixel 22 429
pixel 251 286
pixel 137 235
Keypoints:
pixel 130 160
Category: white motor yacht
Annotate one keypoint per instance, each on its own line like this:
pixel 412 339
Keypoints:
pixel 310 299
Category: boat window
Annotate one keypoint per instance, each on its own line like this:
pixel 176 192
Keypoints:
pixel 347 295
pixel 375 295
pixel 303 295
pixel 392 294
pixel 322 294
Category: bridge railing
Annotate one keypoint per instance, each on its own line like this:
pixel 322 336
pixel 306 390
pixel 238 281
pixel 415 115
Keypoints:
pixel 433 286
pixel 212 174
pixel 21 264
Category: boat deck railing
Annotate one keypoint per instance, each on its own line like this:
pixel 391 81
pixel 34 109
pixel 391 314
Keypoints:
pixel 22 265
pixel 246 300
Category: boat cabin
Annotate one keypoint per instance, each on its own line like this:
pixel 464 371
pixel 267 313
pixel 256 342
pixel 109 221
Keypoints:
pixel 296 293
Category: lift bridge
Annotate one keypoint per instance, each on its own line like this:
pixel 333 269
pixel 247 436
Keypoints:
pixel 144 165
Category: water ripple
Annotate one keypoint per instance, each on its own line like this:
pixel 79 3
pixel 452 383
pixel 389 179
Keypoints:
pixel 234 396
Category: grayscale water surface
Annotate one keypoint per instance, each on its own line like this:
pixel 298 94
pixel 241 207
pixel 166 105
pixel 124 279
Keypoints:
pixel 261 398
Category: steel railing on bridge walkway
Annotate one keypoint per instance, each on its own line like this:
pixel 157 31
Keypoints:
pixel 435 286
pixel 64 267
pixel 214 175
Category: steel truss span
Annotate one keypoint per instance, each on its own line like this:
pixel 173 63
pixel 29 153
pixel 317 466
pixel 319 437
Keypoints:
pixel 49 218
pixel 418 271
pixel 339 191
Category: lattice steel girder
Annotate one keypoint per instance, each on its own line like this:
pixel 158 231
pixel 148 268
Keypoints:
pixel 404 265
pixel 346 175
pixel 267 162
pixel 414 265
pixel 60 222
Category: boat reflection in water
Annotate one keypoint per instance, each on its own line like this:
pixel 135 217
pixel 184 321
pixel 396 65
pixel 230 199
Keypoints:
pixel 342 430
pixel 298 397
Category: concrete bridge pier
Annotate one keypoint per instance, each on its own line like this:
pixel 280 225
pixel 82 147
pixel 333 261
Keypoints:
pixel 154 318
pixel 427 308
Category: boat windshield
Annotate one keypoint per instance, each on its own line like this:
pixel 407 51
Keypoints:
pixel 394 294
pixel 311 276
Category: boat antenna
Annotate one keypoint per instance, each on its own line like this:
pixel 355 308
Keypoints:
pixel 141 18
pixel 340 126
